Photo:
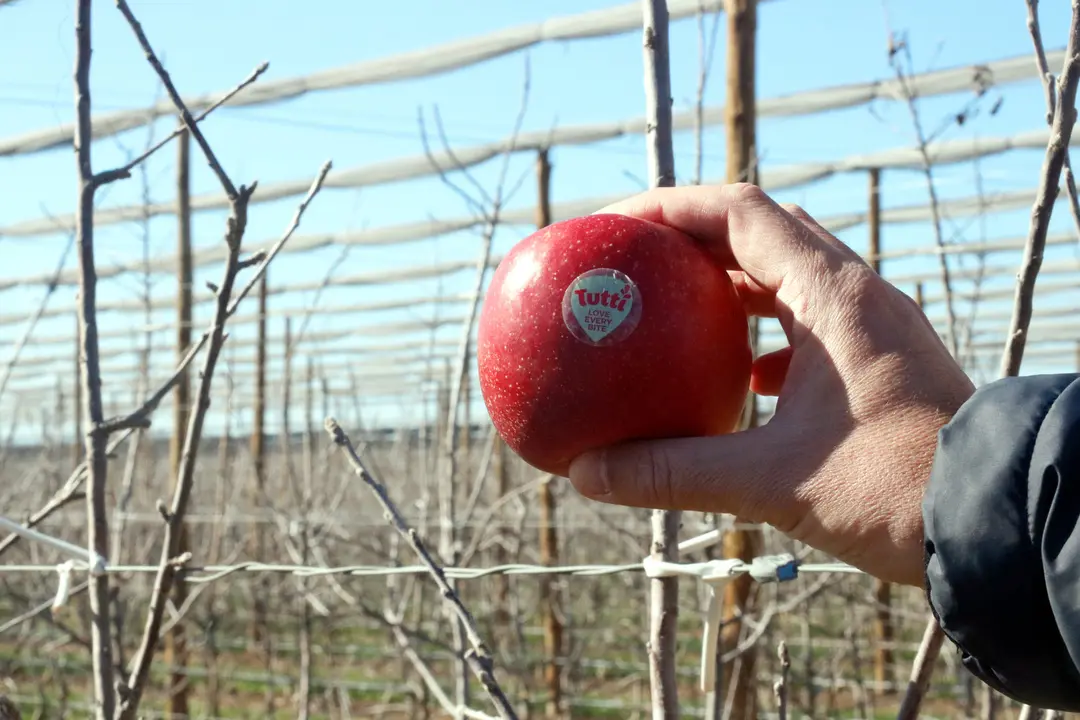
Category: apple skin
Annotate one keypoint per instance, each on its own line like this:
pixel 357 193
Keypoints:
pixel 677 365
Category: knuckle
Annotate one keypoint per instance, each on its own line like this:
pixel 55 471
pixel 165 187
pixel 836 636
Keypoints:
pixel 744 193
pixel 796 210
pixel 659 480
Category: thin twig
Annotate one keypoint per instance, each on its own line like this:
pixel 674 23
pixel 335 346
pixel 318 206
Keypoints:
pixel 1049 184
pixel 185 114
pixel 141 418
pixel 480 657
pixel 1040 58
pixel 1012 357
pixel 68 493
pixel 427 676
pixel 928 174
pixel 705 59
pixel 124 171
pixel 236 225
pixel 490 209
pixel 921 671
pixel 1051 103
pixel 170 561
pixel 40 609
pixel 36 316
pixel 780 688
pixel 226 306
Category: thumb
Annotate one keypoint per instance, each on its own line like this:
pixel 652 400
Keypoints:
pixel 735 474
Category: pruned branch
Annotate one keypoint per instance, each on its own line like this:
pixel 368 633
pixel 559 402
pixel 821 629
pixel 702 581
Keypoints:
pixel 780 687
pixel 479 657
pixel 665 523
pixel 90 377
pixel 171 561
pixel 231 190
pixel 50 289
pixel 658 123
pixel 1051 103
pixel 1064 118
pixel 1049 185
pixel 427 676
pixel 140 418
pixel 923 141
pixel 124 171
pixel 226 306
pixel 922 671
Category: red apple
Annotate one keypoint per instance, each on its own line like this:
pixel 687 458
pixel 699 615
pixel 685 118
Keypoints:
pixel 606 328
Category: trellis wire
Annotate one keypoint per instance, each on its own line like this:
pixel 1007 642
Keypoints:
pixel 211 573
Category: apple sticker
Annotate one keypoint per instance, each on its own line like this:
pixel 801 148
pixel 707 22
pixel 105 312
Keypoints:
pixel 601 306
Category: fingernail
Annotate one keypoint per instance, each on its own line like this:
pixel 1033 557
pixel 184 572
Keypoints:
pixel 589 474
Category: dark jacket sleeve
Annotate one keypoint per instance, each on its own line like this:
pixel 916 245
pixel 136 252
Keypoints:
pixel 1001 518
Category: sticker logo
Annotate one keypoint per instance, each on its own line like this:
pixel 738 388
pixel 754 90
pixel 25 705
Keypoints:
pixel 601 306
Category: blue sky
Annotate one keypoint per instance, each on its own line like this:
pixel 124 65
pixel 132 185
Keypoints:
pixel 209 46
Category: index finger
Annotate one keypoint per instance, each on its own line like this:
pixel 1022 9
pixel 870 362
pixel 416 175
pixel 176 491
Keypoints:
pixel 745 230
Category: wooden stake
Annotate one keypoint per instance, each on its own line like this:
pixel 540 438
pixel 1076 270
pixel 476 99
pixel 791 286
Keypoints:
pixel 736 681
pixel 500 467
pixel 883 626
pixel 260 635
pixel 176 654
pixel 77 407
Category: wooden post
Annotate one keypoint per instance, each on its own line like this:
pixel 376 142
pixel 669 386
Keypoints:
pixel 501 470
pixel 286 399
pixel 736 681
pixel 258 629
pixel 76 395
pixel 883 625
pixel 285 436
pixel 874 220
pixel 176 653
pixel 304 690
pixel 549 540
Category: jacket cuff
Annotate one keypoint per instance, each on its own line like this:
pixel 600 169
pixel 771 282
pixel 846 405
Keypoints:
pixel 986 580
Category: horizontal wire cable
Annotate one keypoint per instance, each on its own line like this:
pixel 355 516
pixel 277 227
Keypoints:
pixel 210 573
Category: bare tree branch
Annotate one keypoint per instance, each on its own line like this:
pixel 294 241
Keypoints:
pixel 780 688
pixel 236 225
pixel 35 317
pixel 479 657
pixel 1051 103
pixel 665 523
pixel 68 493
pixel 896 49
pixel 1049 184
pixel 169 564
pixel 1064 118
pixel 185 114
pixel 125 170
pixel 90 377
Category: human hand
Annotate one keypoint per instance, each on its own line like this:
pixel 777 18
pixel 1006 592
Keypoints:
pixel 862 390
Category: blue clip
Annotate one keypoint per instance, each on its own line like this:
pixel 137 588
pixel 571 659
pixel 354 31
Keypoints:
pixel 774 568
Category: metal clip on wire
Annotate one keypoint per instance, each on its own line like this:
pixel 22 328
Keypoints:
pixel 96 564
pixel 63 588
pixel 716 574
